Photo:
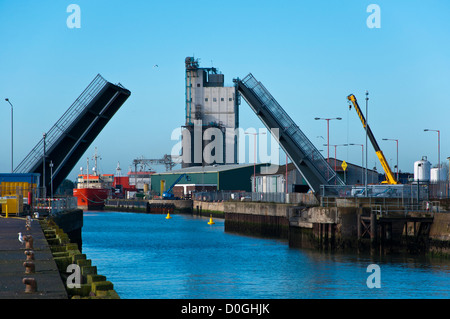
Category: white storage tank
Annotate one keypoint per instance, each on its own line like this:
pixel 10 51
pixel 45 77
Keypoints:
pixel 437 175
pixel 422 170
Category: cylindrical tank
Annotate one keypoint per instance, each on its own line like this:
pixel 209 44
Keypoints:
pixel 438 175
pixel 422 170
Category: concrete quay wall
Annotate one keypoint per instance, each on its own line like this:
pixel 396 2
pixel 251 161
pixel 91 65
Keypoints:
pixel 345 228
pixel 440 235
pixel 89 284
pixel 254 218
pixel 158 206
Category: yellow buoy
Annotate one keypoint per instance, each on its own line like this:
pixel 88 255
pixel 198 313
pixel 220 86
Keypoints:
pixel 210 220
pixel 168 216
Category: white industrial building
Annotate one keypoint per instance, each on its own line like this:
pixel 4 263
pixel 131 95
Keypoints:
pixel 209 105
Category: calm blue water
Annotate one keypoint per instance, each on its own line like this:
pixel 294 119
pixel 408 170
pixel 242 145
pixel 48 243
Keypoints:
pixel 148 256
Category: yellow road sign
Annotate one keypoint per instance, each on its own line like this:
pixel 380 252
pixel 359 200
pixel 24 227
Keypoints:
pixel 344 165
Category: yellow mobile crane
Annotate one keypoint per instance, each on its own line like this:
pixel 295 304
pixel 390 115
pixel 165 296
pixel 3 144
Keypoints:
pixel 390 179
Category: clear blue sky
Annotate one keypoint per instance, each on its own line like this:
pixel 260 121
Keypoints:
pixel 309 54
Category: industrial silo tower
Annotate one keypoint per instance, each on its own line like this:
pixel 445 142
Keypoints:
pixel 209 104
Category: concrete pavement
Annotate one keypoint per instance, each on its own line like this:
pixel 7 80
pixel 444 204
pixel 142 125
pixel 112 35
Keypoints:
pixel 12 257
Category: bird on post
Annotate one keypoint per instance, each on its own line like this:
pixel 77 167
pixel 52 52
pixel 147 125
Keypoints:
pixel 21 238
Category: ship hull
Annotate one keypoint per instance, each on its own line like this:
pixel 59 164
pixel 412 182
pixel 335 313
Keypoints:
pixel 90 198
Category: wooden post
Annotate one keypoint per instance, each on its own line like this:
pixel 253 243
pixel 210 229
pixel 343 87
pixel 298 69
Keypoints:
pixel 333 236
pixel 320 234
pixel 330 234
pixel 373 227
pixel 358 225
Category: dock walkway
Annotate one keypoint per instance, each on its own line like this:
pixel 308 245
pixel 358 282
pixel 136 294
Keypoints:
pixel 12 258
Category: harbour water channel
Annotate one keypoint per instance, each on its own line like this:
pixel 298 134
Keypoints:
pixel 147 256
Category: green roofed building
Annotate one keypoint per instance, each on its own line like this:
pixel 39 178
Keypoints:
pixel 233 177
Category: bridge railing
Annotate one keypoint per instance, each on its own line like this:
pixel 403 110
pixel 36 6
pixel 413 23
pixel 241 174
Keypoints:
pixel 62 124
pixel 288 126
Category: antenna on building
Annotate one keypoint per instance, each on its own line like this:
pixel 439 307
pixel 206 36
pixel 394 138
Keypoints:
pixel 95 157
pixel 118 170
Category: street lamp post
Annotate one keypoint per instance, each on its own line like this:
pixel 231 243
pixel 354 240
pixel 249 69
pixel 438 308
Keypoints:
pixel 43 169
pixel 51 179
pixel 328 132
pixel 448 181
pixel 286 174
pixel 396 140
pixel 362 160
pixel 254 157
pixel 335 152
pixel 367 124
pixel 12 136
pixel 439 150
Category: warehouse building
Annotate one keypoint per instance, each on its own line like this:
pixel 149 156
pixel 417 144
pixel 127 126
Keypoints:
pixel 276 182
pixel 234 177
pixel 353 174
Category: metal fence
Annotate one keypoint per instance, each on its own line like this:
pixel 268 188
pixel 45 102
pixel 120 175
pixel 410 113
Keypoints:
pixel 440 190
pixel 417 191
pixel 291 198
pixel 53 206
pixel 407 191
pixel 407 197
pixel 126 203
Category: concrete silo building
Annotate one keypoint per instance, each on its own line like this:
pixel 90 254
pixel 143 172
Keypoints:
pixel 211 110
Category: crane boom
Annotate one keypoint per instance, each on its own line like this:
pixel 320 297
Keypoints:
pixel 168 194
pixel 390 179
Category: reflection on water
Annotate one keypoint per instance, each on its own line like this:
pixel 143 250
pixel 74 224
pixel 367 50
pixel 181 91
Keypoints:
pixel 148 256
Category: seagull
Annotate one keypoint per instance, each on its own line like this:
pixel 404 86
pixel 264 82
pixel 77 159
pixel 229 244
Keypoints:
pixel 21 238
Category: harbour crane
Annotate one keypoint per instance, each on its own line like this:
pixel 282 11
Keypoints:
pixel 167 161
pixel 390 179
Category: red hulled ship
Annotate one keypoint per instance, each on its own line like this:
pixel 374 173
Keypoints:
pixel 93 189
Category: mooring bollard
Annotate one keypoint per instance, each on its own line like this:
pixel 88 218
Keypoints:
pixel 28 242
pixel 30 285
pixel 29 267
pixel 28 223
pixel 29 254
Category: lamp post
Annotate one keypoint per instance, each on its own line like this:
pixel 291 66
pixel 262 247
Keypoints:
pixel 439 150
pixel 254 157
pixel 43 169
pixel 12 136
pixel 396 140
pixel 448 181
pixel 362 160
pixel 286 173
pixel 51 179
pixel 367 124
pixel 335 151
pixel 328 132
